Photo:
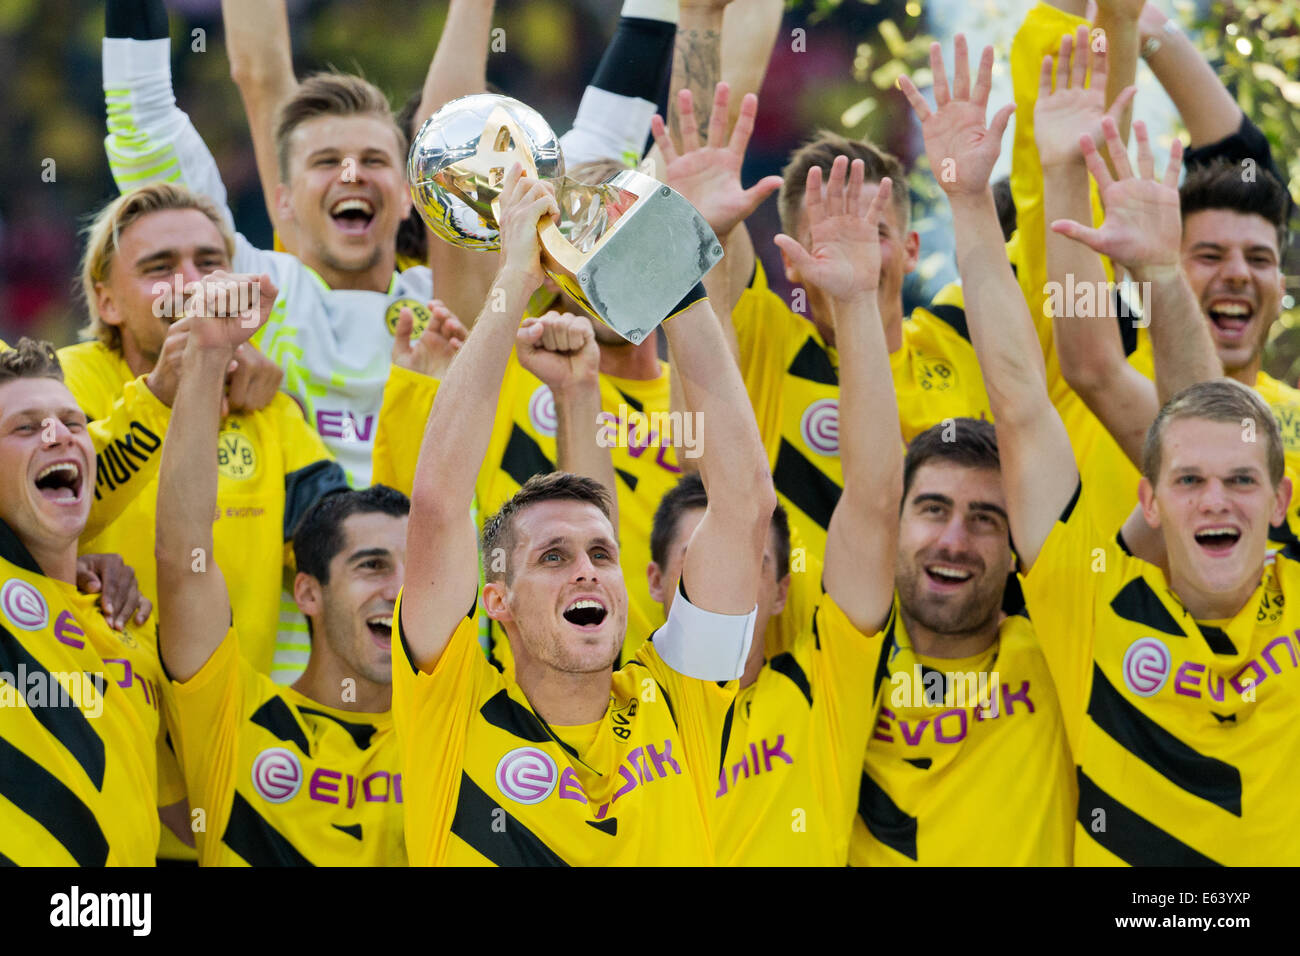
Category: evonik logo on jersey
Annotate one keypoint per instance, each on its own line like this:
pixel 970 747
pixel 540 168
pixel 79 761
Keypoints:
pixel 1145 667
pixel 278 776
pixel 528 775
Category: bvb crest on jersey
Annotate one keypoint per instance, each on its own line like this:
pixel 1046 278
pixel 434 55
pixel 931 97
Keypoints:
pixel 936 375
pixel 418 309
pixel 236 456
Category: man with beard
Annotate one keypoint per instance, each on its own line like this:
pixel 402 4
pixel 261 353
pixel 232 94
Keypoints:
pixel 965 703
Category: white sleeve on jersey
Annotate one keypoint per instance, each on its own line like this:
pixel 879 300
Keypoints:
pixel 608 126
pixel 703 644
pixel 150 138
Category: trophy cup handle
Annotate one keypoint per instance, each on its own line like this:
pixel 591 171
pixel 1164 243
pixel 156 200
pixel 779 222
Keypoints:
pixel 501 143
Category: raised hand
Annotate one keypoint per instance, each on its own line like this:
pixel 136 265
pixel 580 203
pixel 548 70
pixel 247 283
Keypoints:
pixel 560 349
pixel 961 148
pixel 709 175
pixel 843 258
pixel 524 201
pixel 226 309
pixel 1060 115
pixel 1143 226
pixel 432 351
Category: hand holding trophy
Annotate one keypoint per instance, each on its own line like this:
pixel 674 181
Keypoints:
pixel 627 250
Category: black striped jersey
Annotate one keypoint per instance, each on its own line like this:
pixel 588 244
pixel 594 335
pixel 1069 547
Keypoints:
pixel 84 763
pixel 788 786
pixel 271 468
pixel 968 763
pixel 635 425
pixel 488 782
pixel 1185 734
pixel 281 779
pixel 792 377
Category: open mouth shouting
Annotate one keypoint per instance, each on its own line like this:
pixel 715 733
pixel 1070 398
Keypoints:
pixel 381 628
pixel 1218 539
pixel 1231 317
pixel 947 577
pixel 60 483
pixel 586 614
pixel 353 215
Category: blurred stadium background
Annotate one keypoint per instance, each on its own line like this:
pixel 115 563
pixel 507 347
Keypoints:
pixel 838 73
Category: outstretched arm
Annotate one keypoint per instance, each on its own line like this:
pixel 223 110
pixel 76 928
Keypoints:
pixel 1038 470
pixel 193 606
pixel 844 264
pixel 261 64
pixel 1088 342
pixel 1118 21
pixel 462 277
pixel 725 555
pixel 1206 107
pixel 441 542
pixel 1141 232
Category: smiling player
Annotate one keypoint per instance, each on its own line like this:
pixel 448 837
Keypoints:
pixel 1179 690
pixel 567 761
pixel 82 753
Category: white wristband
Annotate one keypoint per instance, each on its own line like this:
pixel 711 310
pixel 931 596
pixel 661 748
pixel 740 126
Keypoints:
pixel 703 644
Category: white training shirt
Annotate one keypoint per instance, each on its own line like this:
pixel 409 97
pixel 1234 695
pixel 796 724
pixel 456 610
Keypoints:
pixel 335 346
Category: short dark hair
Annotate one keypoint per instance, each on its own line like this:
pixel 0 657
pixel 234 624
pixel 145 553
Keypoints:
pixel 1218 400
pixel 319 535
pixel 968 442
pixel 332 94
pixel 499 530
pixel 30 358
pixel 821 151
pixel 689 493
pixel 1222 184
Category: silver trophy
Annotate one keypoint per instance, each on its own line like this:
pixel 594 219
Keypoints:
pixel 628 250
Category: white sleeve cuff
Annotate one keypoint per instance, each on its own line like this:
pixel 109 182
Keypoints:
pixel 127 60
pixel 607 126
pixel 703 644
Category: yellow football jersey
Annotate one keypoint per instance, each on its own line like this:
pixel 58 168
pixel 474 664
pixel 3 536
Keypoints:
pixel 1185 734
pixel 487 780
pixel 788 787
pixel 792 377
pixel 968 764
pixel 272 467
pixel 84 764
pixel 282 779
pixel 523 444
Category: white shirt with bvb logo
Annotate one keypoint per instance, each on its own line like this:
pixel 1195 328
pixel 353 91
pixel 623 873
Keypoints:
pixel 333 344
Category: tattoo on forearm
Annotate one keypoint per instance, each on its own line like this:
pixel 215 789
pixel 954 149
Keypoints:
pixel 697 66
